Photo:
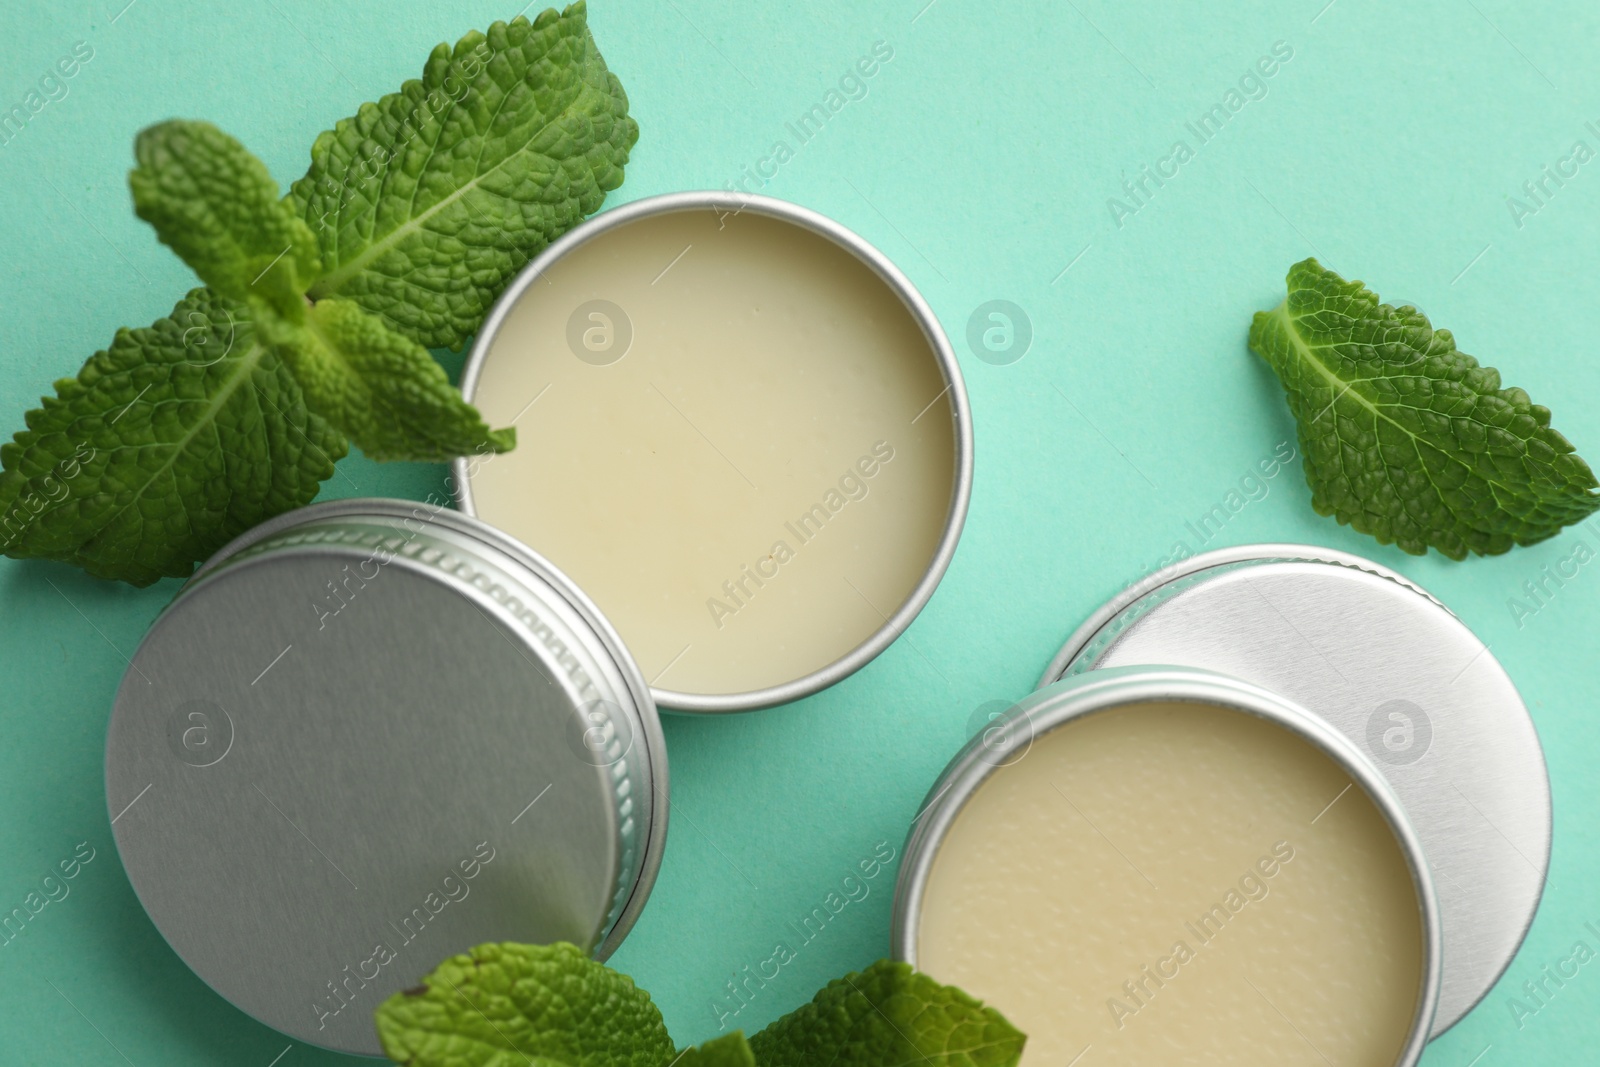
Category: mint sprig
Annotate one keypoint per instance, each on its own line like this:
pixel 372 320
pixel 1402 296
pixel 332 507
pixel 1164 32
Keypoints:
pixel 551 1005
pixel 310 332
pixel 1407 438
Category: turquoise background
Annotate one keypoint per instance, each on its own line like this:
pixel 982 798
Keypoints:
pixel 981 160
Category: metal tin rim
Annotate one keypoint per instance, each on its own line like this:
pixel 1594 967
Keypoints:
pixel 943 353
pixel 1205 561
pixel 646 720
pixel 1113 687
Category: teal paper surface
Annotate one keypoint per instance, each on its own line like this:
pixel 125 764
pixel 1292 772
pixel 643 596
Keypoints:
pixel 983 158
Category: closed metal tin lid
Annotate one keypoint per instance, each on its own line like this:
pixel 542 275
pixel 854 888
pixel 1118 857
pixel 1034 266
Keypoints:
pixel 1394 671
pixel 369 735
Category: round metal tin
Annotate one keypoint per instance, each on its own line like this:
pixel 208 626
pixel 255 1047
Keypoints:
pixel 1403 679
pixel 725 205
pixel 1065 701
pixel 366 736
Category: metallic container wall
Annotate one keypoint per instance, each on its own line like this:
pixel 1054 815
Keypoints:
pixel 359 768
pixel 723 203
pixel 1065 701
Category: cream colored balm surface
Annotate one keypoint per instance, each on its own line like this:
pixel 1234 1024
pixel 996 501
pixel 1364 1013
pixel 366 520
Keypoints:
pixel 731 434
pixel 1179 883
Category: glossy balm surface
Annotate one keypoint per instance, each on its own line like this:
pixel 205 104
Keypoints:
pixel 731 434
pixel 1179 883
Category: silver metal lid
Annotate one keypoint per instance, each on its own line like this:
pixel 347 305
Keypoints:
pixel 1394 671
pixel 369 735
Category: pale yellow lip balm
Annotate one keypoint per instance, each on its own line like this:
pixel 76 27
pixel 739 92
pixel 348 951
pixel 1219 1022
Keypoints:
pixel 1177 882
pixel 739 431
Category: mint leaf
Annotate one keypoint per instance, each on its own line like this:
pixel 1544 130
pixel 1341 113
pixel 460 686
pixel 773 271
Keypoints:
pixel 427 202
pixel 730 1050
pixel 383 390
pixel 165 446
pixel 1406 438
pixel 505 1005
pixel 889 1016
pixel 214 204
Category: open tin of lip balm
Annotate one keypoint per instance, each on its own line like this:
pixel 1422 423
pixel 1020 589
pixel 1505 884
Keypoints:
pixel 1165 864
pixel 1391 668
pixel 1415 703
pixel 366 735
pixel 741 431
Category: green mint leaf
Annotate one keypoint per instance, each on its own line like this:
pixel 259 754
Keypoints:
pixel 427 202
pixel 167 445
pixel 383 390
pixel 214 204
pixel 889 1016
pixel 509 1005
pixel 729 1050
pixel 1406 438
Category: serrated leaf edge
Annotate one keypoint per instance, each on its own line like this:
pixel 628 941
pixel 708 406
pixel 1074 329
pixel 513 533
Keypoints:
pixel 328 284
